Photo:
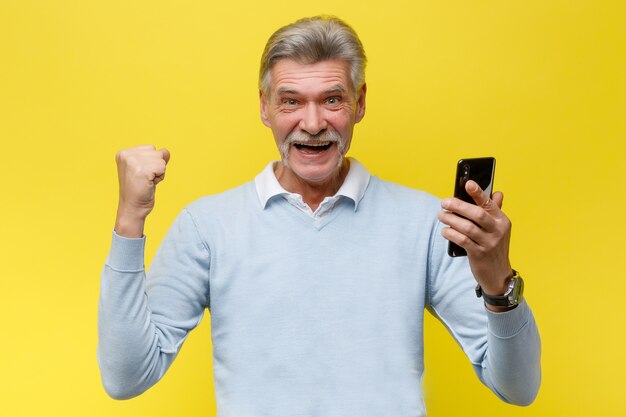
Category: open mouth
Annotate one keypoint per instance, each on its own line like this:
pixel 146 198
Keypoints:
pixel 313 147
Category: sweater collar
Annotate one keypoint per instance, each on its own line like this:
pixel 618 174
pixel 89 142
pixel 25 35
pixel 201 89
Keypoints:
pixel 353 187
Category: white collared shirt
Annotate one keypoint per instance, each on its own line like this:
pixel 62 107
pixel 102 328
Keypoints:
pixel 353 187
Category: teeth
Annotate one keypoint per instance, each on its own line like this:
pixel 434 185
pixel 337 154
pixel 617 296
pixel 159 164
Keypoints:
pixel 314 144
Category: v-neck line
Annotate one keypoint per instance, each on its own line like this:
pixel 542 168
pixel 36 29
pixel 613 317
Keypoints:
pixel 317 222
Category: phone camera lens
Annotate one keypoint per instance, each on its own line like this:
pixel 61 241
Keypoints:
pixel 466 172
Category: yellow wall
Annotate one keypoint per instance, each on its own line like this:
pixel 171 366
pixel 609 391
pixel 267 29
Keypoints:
pixel 540 85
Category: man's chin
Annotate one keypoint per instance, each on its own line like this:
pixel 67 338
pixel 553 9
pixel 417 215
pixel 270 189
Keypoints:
pixel 315 174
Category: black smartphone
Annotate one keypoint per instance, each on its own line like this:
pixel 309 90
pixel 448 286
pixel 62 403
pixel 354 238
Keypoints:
pixel 481 170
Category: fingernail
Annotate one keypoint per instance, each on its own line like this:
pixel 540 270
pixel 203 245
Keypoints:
pixel 445 203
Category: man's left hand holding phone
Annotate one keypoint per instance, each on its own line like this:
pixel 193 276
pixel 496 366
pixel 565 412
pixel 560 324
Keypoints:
pixel 484 231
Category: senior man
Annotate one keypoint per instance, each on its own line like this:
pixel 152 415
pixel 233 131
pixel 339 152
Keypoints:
pixel 316 274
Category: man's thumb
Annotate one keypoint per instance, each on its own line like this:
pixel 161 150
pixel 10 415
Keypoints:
pixel 166 154
pixel 498 198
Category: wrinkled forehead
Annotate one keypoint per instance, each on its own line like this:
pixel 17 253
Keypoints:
pixel 290 75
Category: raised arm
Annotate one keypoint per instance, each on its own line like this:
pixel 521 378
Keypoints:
pixel 143 320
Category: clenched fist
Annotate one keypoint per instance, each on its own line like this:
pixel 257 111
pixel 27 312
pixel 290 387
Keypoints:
pixel 139 170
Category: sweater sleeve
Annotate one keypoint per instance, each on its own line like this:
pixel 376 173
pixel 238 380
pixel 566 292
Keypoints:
pixel 143 319
pixel 504 348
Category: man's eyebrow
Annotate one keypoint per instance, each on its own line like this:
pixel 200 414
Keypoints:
pixel 287 90
pixel 336 89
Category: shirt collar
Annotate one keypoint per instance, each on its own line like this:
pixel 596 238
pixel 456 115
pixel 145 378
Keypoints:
pixel 353 187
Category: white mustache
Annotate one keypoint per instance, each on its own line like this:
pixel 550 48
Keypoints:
pixel 305 137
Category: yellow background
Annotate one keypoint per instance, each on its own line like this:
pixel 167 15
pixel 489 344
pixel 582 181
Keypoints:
pixel 540 85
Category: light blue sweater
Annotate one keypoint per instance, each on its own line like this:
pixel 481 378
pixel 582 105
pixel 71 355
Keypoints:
pixel 309 317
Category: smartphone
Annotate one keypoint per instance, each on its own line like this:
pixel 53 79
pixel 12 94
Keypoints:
pixel 482 171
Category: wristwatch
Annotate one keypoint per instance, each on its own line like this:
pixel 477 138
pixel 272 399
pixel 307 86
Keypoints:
pixel 512 296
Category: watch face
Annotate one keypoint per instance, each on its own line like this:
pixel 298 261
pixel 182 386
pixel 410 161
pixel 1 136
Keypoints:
pixel 512 296
pixel 516 289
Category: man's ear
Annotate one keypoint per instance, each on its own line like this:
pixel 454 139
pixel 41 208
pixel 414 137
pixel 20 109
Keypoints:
pixel 265 116
pixel 360 103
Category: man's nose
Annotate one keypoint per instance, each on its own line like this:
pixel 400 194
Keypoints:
pixel 313 120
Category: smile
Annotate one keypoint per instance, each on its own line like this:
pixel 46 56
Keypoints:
pixel 313 147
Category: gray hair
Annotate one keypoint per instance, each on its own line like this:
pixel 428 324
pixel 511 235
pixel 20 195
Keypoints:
pixel 312 40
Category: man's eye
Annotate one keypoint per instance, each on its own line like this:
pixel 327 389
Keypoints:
pixel 332 100
pixel 290 101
